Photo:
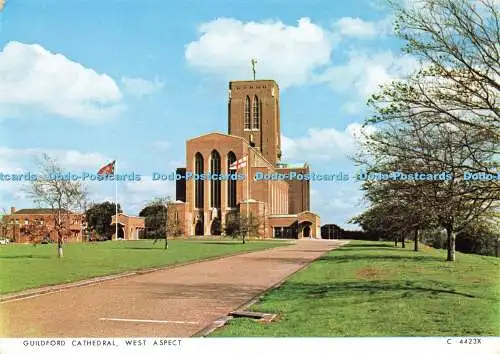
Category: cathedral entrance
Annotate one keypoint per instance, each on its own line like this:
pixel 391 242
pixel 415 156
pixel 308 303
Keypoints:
pixel 305 229
pixel 198 229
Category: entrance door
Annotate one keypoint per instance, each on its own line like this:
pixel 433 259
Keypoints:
pixel 216 228
pixel 121 233
pixel 307 231
pixel 198 229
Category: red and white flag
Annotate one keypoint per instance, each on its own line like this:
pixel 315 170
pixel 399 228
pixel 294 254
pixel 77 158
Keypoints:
pixel 236 165
pixel 108 169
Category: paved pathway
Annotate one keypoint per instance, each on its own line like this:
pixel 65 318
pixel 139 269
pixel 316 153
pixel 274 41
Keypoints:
pixel 175 302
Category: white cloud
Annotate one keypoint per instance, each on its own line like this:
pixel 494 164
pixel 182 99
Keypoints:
pixel 25 159
pixel 324 144
pixel 177 163
pixel 161 145
pixel 33 77
pixel 132 195
pixel 289 54
pixel 363 73
pixel 339 204
pixel 137 194
pixel 21 161
pixel 141 87
pixel 357 27
pixel 335 201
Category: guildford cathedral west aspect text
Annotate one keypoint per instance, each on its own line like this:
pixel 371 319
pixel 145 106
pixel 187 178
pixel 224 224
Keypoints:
pixel 252 146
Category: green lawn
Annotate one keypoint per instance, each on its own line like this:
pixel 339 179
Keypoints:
pixel 25 266
pixel 375 289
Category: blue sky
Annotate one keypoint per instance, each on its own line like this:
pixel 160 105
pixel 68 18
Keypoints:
pixel 93 81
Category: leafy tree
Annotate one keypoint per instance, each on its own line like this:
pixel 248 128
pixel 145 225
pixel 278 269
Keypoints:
pixel 155 214
pixel 173 226
pixel 239 225
pixel 480 237
pixel 99 217
pixel 162 220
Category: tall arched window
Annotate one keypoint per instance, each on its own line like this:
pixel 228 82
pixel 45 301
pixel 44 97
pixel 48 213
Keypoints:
pixel 247 113
pixel 256 113
pixel 215 182
pixel 231 184
pixel 198 184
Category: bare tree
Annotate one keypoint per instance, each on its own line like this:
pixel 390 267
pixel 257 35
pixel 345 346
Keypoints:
pixel 424 146
pixel 445 116
pixel 459 81
pixel 62 196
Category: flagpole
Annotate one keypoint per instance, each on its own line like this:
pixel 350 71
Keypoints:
pixel 248 178
pixel 248 194
pixel 116 203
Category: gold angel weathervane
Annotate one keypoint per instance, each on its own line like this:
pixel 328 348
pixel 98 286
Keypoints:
pixel 253 61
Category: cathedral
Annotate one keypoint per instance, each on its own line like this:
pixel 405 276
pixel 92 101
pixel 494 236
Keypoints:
pixel 251 148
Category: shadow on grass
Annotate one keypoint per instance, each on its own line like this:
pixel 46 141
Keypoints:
pixel 301 290
pixel 371 257
pixel 157 247
pixel 222 243
pixel 26 256
pixel 376 249
pixel 369 245
pixel 304 250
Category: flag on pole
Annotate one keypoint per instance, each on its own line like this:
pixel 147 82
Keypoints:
pixel 108 169
pixel 236 165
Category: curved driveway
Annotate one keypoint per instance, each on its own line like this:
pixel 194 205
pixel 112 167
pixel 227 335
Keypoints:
pixel 177 302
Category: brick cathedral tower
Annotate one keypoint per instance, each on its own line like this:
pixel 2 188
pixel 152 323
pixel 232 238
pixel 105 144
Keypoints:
pixel 254 114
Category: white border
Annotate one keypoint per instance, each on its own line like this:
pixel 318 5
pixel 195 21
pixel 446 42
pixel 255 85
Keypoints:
pixel 441 345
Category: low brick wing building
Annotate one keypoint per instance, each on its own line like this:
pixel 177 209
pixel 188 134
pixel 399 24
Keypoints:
pixel 25 225
pixel 129 227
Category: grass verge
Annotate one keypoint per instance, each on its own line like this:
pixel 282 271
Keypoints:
pixel 24 266
pixel 374 289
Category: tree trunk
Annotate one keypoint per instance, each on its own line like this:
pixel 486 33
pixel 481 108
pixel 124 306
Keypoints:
pixel 59 234
pixel 416 241
pixel 450 244
pixel 496 247
pixel 166 243
pixel 396 242
pixel 59 249
pixel 403 244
